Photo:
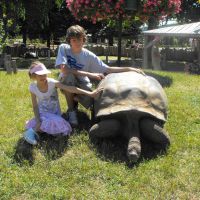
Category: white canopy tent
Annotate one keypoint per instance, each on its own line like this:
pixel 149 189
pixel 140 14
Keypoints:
pixel 191 30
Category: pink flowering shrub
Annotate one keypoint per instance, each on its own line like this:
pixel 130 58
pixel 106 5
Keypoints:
pixel 160 8
pixel 94 10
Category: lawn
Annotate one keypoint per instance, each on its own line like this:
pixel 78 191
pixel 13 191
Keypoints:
pixel 76 168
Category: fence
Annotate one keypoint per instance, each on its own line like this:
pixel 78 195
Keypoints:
pixel 171 54
pixel 19 51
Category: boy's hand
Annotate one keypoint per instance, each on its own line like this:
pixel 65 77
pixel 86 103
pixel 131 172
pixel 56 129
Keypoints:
pixel 96 76
pixel 96 92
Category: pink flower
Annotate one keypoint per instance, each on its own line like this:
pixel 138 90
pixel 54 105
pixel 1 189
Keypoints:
pixel 159 8
pixel 94 10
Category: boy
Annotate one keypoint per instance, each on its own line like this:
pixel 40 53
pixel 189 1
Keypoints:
pixel 78 65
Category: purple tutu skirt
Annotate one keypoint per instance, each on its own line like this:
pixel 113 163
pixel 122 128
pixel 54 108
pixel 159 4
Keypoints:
pixel 51 124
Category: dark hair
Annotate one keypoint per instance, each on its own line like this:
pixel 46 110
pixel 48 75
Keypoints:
pixel 77 32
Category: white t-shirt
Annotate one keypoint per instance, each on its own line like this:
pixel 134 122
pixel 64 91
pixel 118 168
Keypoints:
pixel 84 61
pixel 47 101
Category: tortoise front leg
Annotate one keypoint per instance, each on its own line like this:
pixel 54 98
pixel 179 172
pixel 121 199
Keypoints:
pixel 153 130
pixel 105 128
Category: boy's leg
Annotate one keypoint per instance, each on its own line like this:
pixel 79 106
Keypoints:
pixel 70 80
pixel 84 100
pixel 72 98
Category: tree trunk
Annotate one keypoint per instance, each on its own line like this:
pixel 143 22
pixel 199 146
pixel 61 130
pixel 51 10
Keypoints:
pixel 49 31
pixel 119 40
pixel 94 39
pixel 48 40
pixel 110 40
pixel 24 33
pixel 152 23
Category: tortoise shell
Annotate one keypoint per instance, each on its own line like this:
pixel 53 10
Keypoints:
pixel 131 92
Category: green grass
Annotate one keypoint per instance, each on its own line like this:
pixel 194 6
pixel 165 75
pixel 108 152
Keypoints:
pixel 76 169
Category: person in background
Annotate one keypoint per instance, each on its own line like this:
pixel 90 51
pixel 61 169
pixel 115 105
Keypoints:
pixel 156 56
pixel 78 67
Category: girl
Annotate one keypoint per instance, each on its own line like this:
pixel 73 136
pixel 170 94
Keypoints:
pixel 46 105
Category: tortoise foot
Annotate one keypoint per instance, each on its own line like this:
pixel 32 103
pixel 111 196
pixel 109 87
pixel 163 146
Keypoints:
pixel 133 156
pixel 105 128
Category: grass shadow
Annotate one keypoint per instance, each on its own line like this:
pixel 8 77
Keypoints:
pixel 111 149
pixel 115 150
pixel 53 147
pixel 165 81
pixel 24 152
pixel 84 122
pixel 151 150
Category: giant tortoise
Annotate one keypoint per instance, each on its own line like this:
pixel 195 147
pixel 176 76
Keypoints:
pixel 133 105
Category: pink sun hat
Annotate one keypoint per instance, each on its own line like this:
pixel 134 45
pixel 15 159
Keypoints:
pixel 39 69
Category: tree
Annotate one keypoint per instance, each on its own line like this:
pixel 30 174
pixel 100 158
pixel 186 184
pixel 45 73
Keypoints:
pixel 51 22
pixel 190 11
pixel 130 28
pixel 39 18
pixel 10 13
pixel 152 11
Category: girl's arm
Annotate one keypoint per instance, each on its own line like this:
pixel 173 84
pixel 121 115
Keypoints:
pixel 76 90
pixel 36 111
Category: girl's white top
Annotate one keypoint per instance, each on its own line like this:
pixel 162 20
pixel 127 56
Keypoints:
pixel 47 101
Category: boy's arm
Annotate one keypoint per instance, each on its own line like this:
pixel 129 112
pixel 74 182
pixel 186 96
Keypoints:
pixel 61 58
pixel 95 76
pixel 123 69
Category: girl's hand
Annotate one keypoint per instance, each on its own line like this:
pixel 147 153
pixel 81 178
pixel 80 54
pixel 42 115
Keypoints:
pixel 96 76
pixel 64 69
pixel 95 93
